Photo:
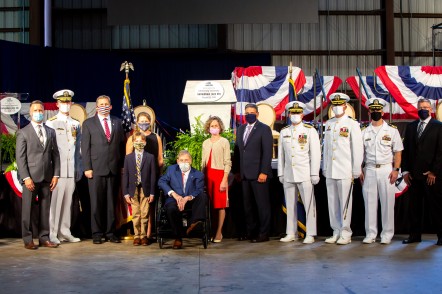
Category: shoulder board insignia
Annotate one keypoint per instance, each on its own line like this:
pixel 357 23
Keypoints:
pixel 393 126
pixel 363 128
pixel 52 118
pixel 285 127
pixel 308 126
pixel 352 118
pixel 75 119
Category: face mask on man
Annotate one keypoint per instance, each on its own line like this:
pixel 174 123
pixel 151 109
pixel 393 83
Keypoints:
pixel 144 126
pixel 104 110
pixel 423 114
pixel 64 107
pixel 139 145
pixel 37 116
pixel 184 166
pixel 251 118
pixel 295 118
pixel 376 116
pixel 338 110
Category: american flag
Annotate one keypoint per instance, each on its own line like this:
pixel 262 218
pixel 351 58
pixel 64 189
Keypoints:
pixel 127 114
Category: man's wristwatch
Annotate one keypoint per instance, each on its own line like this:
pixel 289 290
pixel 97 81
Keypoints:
pixel 396 169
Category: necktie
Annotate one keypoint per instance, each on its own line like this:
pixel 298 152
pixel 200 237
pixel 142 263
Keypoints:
pixel 184 182
pixel 40 136
pixel 138 168
pixel 246 135
pixel 420 129
pixel 106 129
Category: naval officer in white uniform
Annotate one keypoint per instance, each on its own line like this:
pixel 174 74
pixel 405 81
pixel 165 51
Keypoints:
pixel 382 157
pixel 68 134
pixel 342 159
pixel 299 160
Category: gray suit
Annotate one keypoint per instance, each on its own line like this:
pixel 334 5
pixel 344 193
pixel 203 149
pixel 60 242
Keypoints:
pixel 40 164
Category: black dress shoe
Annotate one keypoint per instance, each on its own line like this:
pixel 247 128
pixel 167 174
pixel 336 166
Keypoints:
pixel 260 239
pixel 97 241
pixel 114 239
pixel 412 239
pixel 439 241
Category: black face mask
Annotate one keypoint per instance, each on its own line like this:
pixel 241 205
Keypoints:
pixel 251 118
pixel 423 114
pixel 376 116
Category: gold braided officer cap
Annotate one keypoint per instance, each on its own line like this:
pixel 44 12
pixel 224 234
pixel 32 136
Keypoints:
pixel 339 98
pixel 63 95
pixel 375 103
pixel 295 107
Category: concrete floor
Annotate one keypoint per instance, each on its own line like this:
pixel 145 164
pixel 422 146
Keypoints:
pixel 230 266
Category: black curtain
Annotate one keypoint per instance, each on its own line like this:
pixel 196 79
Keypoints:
pixel 159 78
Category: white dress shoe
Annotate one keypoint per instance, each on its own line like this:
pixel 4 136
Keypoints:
pixel 369 240
pixel 332 239
pixel 55 241
pixel 343 241
pixel 385 241
pixel 288 238
pixel 309 240
pixel 71 239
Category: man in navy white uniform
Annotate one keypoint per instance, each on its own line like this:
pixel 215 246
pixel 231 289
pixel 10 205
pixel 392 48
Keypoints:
pixel 342 159
pixel 382 157
pixel 299 160
pixel 68 134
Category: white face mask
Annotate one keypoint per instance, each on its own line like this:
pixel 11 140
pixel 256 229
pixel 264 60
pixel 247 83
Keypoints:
pixel 184 166
pixel 64 107
pixel 295 118
pixel 338 110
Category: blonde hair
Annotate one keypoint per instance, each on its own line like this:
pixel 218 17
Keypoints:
pixel 210 120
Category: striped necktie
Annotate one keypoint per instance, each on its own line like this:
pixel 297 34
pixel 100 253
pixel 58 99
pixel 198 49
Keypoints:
pixel 106 129
pixel 420 129
pixel 138 169
pixel 40 136
pixel 246 135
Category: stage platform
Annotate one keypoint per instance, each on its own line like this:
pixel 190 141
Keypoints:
pixel 231 266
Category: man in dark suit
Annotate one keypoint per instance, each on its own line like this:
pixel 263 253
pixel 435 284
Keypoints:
pixel 139 176
pixel 253 159
pixel 102 148
pixel 185 186
pixel 38 163
pixel 422 169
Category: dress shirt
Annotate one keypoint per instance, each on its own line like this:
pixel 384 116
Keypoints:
pixel 100 117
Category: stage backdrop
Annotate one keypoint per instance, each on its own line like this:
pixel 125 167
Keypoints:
pixel 159 78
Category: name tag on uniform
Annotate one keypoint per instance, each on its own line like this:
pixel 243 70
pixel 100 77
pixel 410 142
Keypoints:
pixel 60 129
pixel 286 136
pixel 368 139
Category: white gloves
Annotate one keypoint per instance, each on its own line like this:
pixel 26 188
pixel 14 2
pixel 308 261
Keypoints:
pixel 314 179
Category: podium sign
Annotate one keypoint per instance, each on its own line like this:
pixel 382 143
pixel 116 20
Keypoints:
pixel 206 98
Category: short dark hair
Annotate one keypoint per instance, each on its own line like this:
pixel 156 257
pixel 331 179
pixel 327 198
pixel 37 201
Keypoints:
pixel 251 105
pixel 103 97
pixel 36 102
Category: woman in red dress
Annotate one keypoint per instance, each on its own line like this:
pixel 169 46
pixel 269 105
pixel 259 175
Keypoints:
pixel 216 165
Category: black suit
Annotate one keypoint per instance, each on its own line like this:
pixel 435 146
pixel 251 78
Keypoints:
pixel 105 159
pixel 147 171
pixel 40 164
pixel 419 156
pixel 251 159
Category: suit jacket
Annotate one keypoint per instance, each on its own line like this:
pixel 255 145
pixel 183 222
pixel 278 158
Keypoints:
pixel 98 154
pixel 173 180
pixel 33 160
pixel 255 156
pixel 148 174
pixel 423 154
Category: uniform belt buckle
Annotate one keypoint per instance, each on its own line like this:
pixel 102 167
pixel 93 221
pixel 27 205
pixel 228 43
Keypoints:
pixel 378 165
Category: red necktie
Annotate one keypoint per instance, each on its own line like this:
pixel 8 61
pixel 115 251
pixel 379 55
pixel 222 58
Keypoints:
pixel 106 129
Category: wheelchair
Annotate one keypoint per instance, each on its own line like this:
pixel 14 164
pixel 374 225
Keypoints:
pixel 163 228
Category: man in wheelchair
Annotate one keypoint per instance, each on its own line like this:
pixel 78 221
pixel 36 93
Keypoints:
pixel 185 187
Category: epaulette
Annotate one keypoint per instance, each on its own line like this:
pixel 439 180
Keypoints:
pixel 285 127
pixel 352 118
pixel 393 126
pixel 75 119
pixel 308 125
pixel 363 128
pixel 52 118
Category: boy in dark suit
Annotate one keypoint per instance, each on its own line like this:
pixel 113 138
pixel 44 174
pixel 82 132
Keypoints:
pixel 185 186
pixel 139 186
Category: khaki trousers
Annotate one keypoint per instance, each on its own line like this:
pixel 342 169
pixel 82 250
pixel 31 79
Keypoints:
pixel 140 213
